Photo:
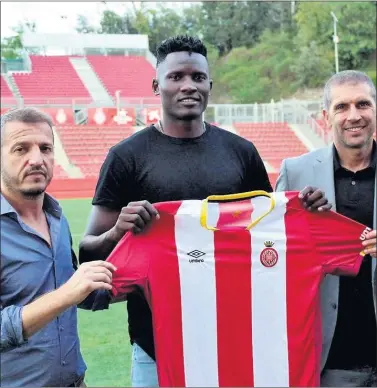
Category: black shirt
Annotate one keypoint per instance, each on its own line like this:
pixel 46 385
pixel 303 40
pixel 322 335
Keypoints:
pixel 152 166
pixel 354 342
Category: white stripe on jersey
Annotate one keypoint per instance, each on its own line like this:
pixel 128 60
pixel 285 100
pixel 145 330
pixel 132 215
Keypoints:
pixel 198 294
pixel 269 303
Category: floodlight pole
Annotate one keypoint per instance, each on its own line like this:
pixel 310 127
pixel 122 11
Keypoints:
pixel 336 40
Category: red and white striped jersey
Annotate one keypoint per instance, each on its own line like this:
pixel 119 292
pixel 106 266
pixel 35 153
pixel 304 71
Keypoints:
pixel 235 304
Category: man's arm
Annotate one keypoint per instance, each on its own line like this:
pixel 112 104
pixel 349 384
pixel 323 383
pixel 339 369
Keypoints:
pixel 282 181
pixel 313 199
pixel 96 300
pixel 106 227
pixel 98 240
pixel 18 323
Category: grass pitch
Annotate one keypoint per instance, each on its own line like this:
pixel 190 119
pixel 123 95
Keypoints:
pixel 104 337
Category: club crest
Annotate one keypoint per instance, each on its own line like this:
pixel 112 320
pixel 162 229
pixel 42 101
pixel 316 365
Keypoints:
pixel 269 256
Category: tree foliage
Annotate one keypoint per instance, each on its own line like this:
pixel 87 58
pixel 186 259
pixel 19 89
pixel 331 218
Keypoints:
pixel 11 47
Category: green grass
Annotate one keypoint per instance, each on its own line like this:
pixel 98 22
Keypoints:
pixel 104 337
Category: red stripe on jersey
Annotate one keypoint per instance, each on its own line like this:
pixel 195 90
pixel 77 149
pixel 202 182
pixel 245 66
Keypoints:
pixel 302 309
pixel 167 317
pixel 234 215
pixel 235 359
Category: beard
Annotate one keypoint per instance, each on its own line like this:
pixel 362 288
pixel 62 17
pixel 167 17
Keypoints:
pixel 13 185
pixel 32 194
pixel 188 117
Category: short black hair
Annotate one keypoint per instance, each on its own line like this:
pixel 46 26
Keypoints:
pixel 180 43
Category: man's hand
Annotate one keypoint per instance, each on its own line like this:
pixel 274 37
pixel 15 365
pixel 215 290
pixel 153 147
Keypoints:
pixel 370 243
pixel 136 216
pixel 314 199
pixel 89 277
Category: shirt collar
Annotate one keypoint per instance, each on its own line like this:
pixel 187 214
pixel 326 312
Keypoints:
pixel 372 164
pixel 50 205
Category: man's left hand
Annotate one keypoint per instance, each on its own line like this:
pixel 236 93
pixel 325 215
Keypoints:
pixel 314 199
pixel 370 243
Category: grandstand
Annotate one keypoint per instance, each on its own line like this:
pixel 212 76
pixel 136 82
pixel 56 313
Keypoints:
pixel 130 75
pixel 98 97
pixel 87 147
pixel 5 90
pixel 274 141
pixel 51 77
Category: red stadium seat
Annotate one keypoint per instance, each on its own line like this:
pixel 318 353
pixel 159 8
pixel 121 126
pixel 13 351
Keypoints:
pixel 274 141
pixel 51 78
pixel 5 91
pixel 87 146
pixel 132 75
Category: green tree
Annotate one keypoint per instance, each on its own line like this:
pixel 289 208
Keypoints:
pixel 311 68
pixel 314 24
pixel 112 23
pixel 11 47
pixel 280 17
pixel 260 73
pixel 83 26
pixel 164 22
pixel 192 21
pixel 357 33
pixel 356 30
pixel 227 25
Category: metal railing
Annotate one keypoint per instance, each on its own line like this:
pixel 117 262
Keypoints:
pixel 324 133
pixel 291 112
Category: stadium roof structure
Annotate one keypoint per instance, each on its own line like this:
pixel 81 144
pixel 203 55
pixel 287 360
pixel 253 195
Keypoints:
pixel 80 42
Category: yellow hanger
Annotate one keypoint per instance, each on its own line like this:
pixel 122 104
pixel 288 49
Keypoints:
pixel 233 197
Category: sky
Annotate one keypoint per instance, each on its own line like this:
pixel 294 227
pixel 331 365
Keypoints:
pixel 59 17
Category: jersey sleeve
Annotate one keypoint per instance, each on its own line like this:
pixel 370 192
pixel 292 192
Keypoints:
pixel 338 242
pixel 132 265
pixel 114 182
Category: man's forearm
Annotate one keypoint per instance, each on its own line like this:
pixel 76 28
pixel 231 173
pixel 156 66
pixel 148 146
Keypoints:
pixel 39 313
pixel 97 247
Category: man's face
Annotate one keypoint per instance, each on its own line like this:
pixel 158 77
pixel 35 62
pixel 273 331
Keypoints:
pixel 184 85
pixel 351 115
pixel 27 158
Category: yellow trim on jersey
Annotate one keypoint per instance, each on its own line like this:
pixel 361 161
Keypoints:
pixel 234 197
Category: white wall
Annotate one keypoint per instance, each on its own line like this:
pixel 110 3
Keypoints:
pixel 80 41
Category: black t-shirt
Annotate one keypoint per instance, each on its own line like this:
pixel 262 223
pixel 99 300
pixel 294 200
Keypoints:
pixel 155 167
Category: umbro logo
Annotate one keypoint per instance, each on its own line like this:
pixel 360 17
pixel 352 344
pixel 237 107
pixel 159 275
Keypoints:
pixel 196 254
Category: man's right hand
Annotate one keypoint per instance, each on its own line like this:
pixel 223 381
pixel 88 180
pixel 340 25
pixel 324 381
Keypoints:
pixel 135 217
pixel 89 277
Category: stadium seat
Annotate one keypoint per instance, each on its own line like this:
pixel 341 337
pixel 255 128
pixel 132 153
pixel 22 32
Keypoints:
pixel 52 78
pixel 5 91
pixel 274 141
pixel 132 75
pixel 87 146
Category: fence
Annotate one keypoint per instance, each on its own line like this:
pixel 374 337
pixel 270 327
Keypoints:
pixel 291 112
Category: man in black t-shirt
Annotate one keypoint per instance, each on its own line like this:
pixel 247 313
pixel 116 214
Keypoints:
pixel 181 157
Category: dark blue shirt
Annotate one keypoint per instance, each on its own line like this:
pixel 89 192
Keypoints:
pixel 29 269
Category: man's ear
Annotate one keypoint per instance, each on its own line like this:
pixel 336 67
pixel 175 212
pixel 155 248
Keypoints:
pixel 155 87
pixel 325 116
